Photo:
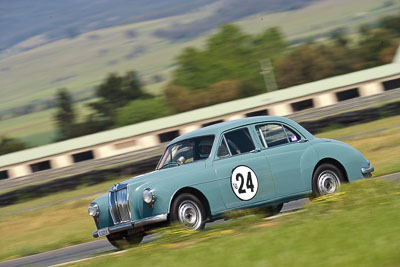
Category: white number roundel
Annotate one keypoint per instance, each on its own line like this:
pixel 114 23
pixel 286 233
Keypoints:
pixel 244 182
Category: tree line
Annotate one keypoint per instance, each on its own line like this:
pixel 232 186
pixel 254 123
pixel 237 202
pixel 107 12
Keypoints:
pixel 230 64
pixel 121 101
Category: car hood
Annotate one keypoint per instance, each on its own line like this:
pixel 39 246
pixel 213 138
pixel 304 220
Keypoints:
pixel 157 175
pixel 332 140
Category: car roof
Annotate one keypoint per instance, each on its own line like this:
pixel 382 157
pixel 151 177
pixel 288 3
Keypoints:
pixel 218 128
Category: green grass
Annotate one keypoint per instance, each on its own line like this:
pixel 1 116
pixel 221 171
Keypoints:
pixel 45 229
pixel 37 128
pixel 60 196
pixel 360 128
pixel 321 17
pixel 356 227
pixel 64 223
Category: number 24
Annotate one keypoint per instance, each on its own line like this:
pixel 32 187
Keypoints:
pixel 249 183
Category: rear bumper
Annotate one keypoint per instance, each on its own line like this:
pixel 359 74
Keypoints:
pixel 367 170
pixel 132 224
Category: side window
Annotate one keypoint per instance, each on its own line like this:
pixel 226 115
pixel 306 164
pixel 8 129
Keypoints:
pixel 273 134
pixel 276 134
pixel 223 150
pixel 239 141
pixel 292 135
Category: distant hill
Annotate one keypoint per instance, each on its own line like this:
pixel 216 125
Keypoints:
pixel 53 20
pixel 23 19
pixel 229 11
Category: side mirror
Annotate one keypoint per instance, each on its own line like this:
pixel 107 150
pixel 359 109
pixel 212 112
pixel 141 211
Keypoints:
pixel 181 160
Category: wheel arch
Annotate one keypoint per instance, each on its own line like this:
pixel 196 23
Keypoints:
pixel 194 192
pixel 335 163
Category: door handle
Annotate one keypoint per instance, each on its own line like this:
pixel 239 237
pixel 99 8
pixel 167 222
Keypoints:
pixel 303 140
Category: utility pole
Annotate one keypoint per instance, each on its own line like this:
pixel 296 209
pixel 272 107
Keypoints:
pixel 267 72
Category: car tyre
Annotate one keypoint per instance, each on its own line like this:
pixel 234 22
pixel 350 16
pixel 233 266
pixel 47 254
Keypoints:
pixel 274 210
pixel 188 210
pixel 121 242
pixel 327 179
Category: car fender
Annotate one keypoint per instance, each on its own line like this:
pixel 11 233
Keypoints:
pixel 202 180
pixel 104 218
pixel 350 158
pixel 308 161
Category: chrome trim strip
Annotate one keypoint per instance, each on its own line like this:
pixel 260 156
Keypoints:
pixel 134 224
pixel 367 170
pixel 287 137
pixel 150 220
pixel 226 143
pixel 262 137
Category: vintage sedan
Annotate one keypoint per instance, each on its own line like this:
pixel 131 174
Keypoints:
pixel 254 162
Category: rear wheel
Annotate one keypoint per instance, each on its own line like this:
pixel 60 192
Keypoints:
pixel 327 179
pixel 188 210
pixel 274 210
pixel 121 241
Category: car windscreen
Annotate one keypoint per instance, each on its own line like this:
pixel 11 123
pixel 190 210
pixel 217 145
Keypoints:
pixel 187 151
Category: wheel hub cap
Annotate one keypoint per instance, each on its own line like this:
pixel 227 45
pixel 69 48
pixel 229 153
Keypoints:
pixel 189 214
pixel 328 182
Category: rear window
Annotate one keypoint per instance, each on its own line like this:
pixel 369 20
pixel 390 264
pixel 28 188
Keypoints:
pixel 275 134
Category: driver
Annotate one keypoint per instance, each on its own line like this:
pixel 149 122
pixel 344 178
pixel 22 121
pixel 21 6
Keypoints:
pixel 204 150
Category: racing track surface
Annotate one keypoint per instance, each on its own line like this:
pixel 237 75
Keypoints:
pixel 101 246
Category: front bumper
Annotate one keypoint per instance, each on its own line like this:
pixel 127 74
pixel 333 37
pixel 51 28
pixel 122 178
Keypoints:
pixel 132 224
pixel 366 171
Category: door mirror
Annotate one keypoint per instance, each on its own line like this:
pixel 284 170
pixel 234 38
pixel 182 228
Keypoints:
pixel 181 160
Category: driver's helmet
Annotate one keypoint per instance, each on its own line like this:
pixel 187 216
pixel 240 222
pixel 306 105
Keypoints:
pixel 204 150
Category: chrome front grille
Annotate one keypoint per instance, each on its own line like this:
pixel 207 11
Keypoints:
pixel 118 201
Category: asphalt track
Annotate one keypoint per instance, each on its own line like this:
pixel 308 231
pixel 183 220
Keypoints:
pixel 101 246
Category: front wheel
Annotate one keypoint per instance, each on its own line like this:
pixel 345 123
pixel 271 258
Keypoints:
pixel 327 179
pixel 188 210
pixel 121 242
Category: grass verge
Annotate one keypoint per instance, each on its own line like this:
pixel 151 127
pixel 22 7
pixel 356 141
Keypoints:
pixel 51 199
pixel 356 227
pixel 45 229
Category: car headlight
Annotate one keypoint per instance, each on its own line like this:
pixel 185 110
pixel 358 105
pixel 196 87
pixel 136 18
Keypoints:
pixel 148 196
pixel 93 209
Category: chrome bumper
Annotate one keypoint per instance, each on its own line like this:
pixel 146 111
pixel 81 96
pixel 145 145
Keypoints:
pixel 133 224
pixel 367 170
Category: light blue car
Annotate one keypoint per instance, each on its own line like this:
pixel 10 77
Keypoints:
pixel 253 162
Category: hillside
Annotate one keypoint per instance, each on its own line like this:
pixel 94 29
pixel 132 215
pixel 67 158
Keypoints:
pixel 47 20
pixel 54 20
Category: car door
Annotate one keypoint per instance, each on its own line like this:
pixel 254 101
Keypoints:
pixel 283 148
pixel 242 170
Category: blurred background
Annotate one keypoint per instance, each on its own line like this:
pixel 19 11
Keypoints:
pixel 69 69
pixel 107 60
